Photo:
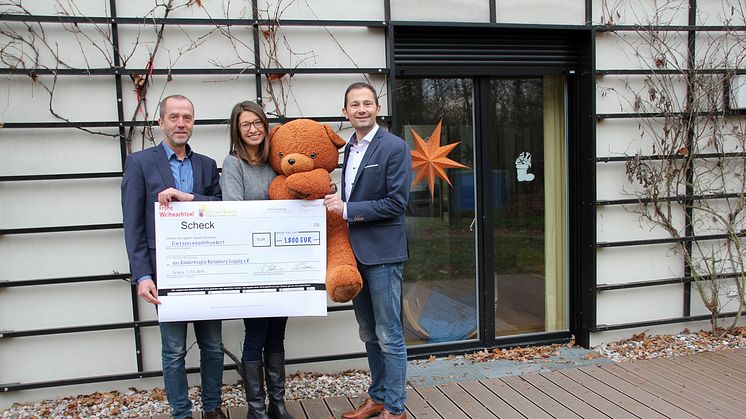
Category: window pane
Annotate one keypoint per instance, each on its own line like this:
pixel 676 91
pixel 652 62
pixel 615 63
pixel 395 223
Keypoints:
pixel 528 205
pixel 518 205
pixel 440 303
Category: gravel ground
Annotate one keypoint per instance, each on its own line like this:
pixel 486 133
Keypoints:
pixel 138 403
pixel 644 346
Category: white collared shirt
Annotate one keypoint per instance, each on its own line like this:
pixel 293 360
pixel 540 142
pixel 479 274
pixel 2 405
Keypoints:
pixel 354 159
pixel 357 152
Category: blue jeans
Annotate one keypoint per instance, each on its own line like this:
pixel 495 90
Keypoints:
pixel 209 336
pixel 263 334
pixel 378 313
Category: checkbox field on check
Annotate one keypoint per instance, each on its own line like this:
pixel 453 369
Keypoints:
pixel 261 239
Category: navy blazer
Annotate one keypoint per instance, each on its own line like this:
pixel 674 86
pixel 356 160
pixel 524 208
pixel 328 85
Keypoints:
pixel 146 174
pixel 379 199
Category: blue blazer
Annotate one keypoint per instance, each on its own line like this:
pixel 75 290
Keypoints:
pixel 378 200
pixel 146 174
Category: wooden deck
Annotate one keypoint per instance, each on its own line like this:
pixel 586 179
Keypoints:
pixel 706 385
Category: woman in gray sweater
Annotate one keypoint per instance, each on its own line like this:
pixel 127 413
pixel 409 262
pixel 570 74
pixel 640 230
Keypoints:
pixel 246 176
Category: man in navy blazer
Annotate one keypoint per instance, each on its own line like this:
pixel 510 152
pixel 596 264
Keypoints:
pixel 171 171
pixel 376 177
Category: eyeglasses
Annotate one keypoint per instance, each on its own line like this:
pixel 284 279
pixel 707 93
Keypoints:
pixel 246 126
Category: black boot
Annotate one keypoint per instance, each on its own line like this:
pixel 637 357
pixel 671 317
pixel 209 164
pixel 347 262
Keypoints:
pixel 253 385
pixel 274 368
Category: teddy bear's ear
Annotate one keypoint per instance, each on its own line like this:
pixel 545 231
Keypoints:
pixel 274 130
pixel 334 137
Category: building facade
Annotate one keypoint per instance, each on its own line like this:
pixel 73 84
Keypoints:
pixel 537 237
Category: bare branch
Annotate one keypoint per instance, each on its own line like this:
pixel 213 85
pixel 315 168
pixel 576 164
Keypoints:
pixel 673 181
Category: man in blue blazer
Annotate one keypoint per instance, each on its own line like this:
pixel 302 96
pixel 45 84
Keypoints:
pixel 171 171
pixel 376 177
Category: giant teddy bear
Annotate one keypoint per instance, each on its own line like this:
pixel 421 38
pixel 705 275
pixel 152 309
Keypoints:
pixel 303 153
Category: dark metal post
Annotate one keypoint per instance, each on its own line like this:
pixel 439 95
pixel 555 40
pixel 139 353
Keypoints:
pixel 123 152
pixel 389 45
pixel 484 220
pixel 582 217
pixel 689 114
pixel 257 56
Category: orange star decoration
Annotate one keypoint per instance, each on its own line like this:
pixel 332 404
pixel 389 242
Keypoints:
pixel 429 159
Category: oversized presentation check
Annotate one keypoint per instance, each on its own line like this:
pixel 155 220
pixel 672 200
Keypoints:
pixel 235 259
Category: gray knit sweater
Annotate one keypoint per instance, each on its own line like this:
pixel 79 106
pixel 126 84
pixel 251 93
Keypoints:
pixel 242 181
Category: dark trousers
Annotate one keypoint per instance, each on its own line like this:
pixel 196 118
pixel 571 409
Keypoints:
pixel 263 334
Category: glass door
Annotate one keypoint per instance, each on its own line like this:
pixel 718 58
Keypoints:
pixel 486 227
pixel 526 164
pixel 440 282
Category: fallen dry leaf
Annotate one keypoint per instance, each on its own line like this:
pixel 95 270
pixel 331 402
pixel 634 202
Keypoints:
pixel 158 394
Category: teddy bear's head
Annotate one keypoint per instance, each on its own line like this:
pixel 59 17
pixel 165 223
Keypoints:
pixel 303 145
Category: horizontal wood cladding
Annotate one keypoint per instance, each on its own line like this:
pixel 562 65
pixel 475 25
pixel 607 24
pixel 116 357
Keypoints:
pixel 445 50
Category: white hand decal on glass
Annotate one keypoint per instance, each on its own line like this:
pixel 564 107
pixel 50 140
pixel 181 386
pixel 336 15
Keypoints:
pixel 522 164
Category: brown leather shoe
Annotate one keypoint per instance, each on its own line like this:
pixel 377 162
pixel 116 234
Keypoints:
pixel 388 415
pixel 215 414
pixel 364 411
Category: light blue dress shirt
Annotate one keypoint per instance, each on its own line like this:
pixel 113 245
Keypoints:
pixel 181 169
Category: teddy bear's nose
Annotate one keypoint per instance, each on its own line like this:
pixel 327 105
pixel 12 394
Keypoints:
pixel 291 161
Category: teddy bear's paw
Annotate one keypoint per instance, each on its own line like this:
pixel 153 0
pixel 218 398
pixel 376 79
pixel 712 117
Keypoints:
pixel 306 186
pixel 345 293
pixel 299 195
pixel 343 283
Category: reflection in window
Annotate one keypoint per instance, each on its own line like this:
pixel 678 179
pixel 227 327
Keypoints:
pixel 524 186
pixel 518 213
pixel 439 301
pixel 529 204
